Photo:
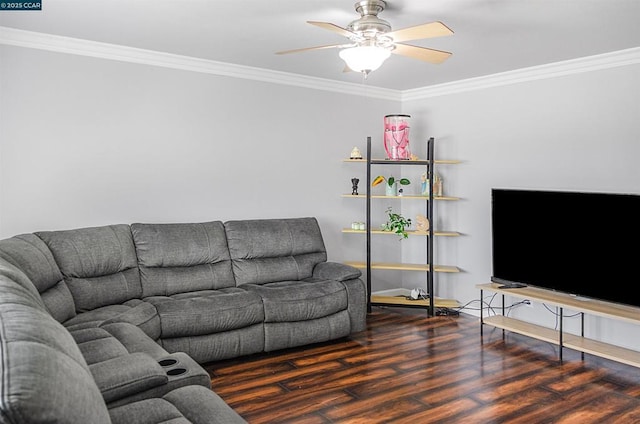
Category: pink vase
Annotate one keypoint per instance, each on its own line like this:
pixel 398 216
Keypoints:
pixel 396 137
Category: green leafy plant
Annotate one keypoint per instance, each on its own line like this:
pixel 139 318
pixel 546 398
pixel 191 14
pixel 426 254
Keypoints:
pixel 397 223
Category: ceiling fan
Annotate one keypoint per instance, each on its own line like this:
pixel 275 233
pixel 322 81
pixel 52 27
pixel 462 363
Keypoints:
pixel 371 40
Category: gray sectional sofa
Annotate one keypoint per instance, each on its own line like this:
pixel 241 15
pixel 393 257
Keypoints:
pixel 111 324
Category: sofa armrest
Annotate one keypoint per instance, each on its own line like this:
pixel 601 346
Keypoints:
pixel 335 271
pixel 127 375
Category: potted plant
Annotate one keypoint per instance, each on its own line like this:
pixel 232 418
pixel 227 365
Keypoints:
pixel 396 223
pixel 391 186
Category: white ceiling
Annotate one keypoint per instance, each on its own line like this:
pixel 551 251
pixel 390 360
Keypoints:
pixel 491 36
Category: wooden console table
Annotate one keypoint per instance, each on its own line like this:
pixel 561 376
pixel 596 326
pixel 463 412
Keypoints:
pixel 559 337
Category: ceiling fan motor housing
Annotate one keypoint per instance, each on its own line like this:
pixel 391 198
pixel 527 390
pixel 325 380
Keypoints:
pixel 369 25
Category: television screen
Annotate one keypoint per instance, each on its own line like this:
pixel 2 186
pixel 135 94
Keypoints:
pixel 579 243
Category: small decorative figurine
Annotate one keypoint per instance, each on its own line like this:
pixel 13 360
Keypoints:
pixel 424 186
pixel 355 153
pixel 354 182
pixel 422 224
pixel 437 186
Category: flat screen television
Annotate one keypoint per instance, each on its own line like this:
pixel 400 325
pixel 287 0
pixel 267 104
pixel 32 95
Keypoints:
pixel 580 243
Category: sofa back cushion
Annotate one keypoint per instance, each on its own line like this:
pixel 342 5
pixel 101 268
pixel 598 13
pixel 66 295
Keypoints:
pixel 99 264
pixel 178 258
pixel 31 255
pixel 21 290
pixel 43 376
pixel 267 250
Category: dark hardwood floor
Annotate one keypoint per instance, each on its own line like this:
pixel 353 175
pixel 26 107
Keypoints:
pixel 409 368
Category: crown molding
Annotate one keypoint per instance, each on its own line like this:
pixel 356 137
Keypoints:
pixel 551 70
pixel 56 43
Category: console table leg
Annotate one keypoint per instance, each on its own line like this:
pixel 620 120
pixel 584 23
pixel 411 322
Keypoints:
pixel 481 316
pixel 561 341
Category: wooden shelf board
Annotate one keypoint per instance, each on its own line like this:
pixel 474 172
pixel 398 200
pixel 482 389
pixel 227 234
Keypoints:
pixel 525 328
pixel 403 162
pixel 403 267
pixel 406 196
pixel 437 233
pixel 402 300
pixel 592 306
pixel 571 341
pixel 605 350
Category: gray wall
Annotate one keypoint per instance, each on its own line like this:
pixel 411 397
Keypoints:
pixel 574 132
pixel 87 141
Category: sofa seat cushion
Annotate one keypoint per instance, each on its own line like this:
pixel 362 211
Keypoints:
pixel 97 345
pixel 136 312
pixel 186 405
pixel 113 340
pixel 134 339
pixel 207 311
pixel 283 335
pixel 288 301
pixel 218 346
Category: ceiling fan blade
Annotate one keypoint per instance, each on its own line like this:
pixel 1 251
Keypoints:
pixel 333 27
pixel 330 46
pixel 430 30
pixel 421 53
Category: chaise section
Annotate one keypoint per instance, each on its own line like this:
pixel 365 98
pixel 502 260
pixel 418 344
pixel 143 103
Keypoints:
pixel 186 274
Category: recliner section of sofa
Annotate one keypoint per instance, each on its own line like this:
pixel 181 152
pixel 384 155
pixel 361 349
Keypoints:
pixel 282 261
pixel 143 305
pixel 186 273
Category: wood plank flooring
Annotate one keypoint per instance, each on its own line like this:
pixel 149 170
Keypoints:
pixel 409 368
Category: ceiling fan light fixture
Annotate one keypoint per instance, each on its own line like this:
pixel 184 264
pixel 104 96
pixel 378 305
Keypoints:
pixel 364 58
